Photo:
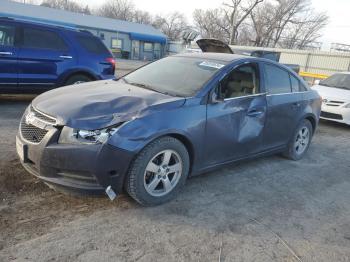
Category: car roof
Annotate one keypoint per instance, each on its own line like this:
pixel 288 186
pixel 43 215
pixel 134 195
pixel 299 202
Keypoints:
pixel 35 23
pixel 214 56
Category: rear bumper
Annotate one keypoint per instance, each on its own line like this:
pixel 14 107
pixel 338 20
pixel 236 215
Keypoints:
pixel 84 169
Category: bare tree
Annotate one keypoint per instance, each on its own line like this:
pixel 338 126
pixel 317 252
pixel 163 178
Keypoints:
pixel 303 33
pixel 289 24
pixel 173 25
pixel 236 13
pixel 66 5
pixel 211 24
pixel 118 9
pixel 142 17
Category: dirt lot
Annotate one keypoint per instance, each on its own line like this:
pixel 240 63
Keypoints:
pixel 269 209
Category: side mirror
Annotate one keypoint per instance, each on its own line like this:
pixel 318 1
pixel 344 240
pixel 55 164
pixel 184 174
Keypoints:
pixel 317 82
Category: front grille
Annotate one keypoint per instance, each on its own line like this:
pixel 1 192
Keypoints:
pixel 32 133
pixel 331 115
pixel 43 117
pixel 334 103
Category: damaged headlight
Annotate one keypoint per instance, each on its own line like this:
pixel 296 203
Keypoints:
pixel 78 136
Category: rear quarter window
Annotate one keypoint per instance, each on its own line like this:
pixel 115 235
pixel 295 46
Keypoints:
pixel 92 44
pixel 276 79
pixel 297 85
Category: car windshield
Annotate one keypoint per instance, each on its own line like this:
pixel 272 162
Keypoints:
pixel 338 81
pixel 177 76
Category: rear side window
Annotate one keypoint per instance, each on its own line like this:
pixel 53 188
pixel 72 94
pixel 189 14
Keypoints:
pixel 295 84
pixel 92 44
pixel 7 35
pixel 277 80
pixel 42 39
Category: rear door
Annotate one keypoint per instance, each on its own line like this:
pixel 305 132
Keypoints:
pixel 43 56
pixel 284 106
pixel 95 56
pixel 235 125
pixel 8 57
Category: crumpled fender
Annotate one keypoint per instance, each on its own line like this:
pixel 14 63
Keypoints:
pixel 187 121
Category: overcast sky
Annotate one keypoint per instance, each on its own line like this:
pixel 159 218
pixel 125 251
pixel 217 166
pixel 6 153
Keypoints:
pixel 337 31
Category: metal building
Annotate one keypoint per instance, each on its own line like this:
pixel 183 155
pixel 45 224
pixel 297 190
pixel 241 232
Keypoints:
pixel 125 39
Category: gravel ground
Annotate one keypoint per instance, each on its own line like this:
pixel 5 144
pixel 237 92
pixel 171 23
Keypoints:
pixel 269 209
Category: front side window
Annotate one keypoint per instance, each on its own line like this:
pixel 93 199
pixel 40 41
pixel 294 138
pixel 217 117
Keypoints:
pixel 7 35
pixel 179 76
pixel 277 80
pixel 42 39
pixel 242 81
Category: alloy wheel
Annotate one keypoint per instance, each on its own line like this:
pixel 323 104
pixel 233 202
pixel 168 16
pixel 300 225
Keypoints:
pixel 302 140
pixel 163 173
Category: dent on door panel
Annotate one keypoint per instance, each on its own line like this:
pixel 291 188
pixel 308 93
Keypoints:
pixel 252 125
pixel 235 128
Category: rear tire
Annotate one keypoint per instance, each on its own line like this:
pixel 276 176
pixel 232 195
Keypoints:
pixel 158 172
pixel 77 79
pixel 300 142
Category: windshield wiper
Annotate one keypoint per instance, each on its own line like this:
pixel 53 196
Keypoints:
pixel 148 87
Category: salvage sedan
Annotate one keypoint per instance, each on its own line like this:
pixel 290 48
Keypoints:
pixel 182 115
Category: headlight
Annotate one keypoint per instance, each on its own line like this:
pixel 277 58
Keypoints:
pixel 347 106
pixel 78 136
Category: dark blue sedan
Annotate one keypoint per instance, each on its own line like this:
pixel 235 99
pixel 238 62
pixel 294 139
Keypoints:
pixel 182 115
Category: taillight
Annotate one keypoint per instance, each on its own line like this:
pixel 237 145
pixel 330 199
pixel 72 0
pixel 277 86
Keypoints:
pixel 111 61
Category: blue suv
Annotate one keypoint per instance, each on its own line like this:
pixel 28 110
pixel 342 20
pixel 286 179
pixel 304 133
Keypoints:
pixel 35 57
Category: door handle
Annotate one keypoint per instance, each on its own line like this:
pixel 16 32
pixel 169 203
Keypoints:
pixel 296 104
pixel 6 53
pixel 66 56
pixel 255 112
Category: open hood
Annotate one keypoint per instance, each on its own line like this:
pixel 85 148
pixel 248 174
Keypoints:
pixel 213 46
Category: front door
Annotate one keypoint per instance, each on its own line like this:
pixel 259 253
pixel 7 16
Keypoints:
pixel 8 58
pixel 235 125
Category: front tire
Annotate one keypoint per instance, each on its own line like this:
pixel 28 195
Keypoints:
pixel 300 143
pixel 158 172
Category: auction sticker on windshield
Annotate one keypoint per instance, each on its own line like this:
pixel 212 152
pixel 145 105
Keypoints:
pixel 211 64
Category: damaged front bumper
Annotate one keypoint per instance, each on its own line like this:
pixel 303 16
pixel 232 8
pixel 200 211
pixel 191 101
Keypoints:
pixel 84 169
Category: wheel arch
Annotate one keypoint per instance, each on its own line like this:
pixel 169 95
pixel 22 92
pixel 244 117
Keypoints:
pixel 182 138
pixel 187 143
pixel 70 74
pixel 313 122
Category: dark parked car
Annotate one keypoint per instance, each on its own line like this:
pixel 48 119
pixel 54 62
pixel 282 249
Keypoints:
pixel 36 57
pixel 179 116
